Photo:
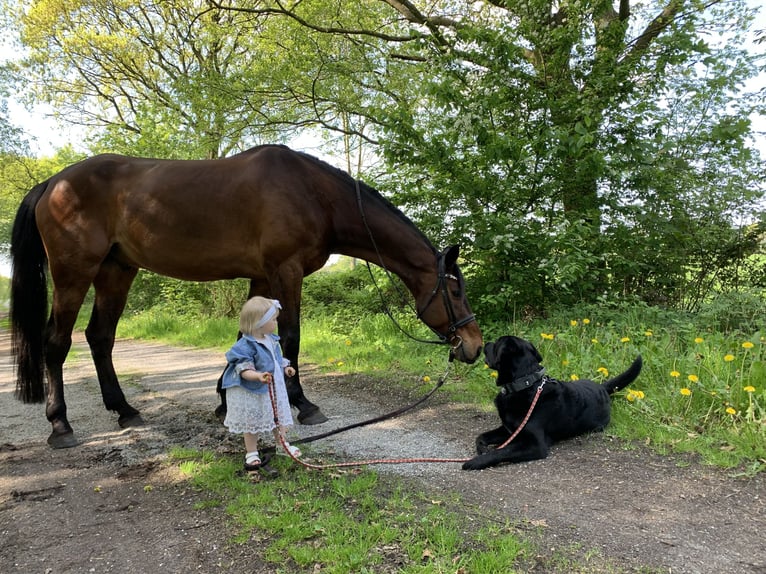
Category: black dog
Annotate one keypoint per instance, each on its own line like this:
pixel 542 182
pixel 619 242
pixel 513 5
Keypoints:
pixel 564 409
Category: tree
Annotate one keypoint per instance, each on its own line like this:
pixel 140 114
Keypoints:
pixel 567 142
pixel 170 79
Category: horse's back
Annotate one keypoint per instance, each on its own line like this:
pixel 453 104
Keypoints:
pixel 191 219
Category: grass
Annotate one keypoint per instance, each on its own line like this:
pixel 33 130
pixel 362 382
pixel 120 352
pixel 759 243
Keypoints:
pixel 356 521
pixel 701 392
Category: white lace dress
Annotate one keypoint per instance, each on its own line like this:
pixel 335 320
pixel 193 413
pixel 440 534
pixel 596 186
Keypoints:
pixel 249 412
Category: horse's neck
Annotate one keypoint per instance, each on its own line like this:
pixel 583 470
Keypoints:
pixel 386 238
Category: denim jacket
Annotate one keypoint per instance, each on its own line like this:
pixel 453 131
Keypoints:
pixel 247 353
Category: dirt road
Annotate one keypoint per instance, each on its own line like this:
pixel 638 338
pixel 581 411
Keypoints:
pixel 110 505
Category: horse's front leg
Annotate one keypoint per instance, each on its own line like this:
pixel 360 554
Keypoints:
pixel 308 412
pixel 286 286
pixel 111 287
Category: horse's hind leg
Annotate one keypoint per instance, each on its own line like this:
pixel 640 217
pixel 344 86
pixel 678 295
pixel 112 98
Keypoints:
pixel 111 285
pixel 58 340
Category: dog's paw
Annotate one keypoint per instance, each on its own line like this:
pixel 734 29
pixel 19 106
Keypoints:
pixel 483 447
pixel 475 463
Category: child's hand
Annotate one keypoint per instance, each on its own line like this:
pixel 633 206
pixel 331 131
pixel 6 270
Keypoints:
pixel 266 378
pixel 289 371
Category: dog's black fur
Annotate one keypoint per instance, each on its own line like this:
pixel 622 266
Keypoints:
pixel 564 409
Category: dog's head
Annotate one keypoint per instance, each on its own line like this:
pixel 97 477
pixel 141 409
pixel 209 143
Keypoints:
pixel 512 357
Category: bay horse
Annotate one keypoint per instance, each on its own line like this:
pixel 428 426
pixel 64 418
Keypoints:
pixel 270 214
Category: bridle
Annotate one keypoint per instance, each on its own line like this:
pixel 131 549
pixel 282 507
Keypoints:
pixel 451 338
pixel 441 286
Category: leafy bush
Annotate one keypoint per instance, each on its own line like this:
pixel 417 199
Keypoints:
pixel 348 293
pixel 743 311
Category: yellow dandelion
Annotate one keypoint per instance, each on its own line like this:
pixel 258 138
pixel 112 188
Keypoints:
pixel 685 392
pixel 675 374
pixel 426 379
pixel 634 395
pixel 348 342
pixel 699 340
pixel 594 341
pixel 574 377
pixel 565 362
pixel 728 358
pixel 648 333
pixel 731 411
pixel 749 389
pixel 624 339
pixel 493 374
pixel 546 336
pixel 604 371
pixel 639 394
pixel 747 345
pixel 573 322
pixel 486 366
pixel 586 321
pixel 339 363
pixel 331 360
pixel 693 378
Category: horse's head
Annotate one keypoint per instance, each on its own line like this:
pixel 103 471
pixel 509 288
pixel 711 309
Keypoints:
pixel 447 312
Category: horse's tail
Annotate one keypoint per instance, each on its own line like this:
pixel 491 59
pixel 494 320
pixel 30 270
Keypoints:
pixel 29 299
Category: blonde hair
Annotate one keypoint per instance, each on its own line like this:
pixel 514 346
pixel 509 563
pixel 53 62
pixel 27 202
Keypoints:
pixel 253 311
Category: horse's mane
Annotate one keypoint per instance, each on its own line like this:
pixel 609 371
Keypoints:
pixel 349 181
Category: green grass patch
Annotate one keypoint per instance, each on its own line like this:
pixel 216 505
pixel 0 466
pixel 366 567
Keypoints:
pixel 355 521
pixel 180 329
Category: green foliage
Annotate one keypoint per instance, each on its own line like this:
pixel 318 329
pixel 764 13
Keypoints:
pixel 593 163
pixel 214 298
pixel 347 293
pixel 18 174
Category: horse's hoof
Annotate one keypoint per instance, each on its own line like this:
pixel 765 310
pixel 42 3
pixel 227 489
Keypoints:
pixel 130 421
pixel 62 440
pixel 313 418
pixel 220 413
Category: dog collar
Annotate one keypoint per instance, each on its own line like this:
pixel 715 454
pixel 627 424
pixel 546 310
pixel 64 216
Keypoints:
pixel 524 382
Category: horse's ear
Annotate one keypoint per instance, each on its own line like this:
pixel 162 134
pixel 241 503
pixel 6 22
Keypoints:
pixel 450 255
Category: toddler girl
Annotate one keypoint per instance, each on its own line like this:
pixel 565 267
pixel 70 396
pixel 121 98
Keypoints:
pixel 254 362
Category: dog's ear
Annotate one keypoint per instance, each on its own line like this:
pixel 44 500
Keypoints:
pixel 489 354
pixel 538 356
pixel 527 349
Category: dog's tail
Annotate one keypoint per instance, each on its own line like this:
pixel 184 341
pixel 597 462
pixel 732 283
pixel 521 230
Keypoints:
pixel 624 379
